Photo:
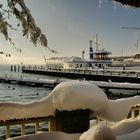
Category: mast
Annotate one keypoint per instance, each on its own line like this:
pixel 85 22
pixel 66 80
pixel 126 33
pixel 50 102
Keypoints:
pixel 134 28
pixel 137 45
pixel 97 42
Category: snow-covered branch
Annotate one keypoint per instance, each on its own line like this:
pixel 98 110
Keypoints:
pixel 26 21
pixel 134 3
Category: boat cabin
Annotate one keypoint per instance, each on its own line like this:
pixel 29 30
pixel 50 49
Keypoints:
pixel 101 59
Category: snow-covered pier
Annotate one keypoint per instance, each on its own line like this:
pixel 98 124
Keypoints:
pixel 29 82
pixel 52 83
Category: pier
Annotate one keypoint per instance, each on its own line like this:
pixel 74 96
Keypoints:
pixel 29 82
pixel 95 74
pixel 36 82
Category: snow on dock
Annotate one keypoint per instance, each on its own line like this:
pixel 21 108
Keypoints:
pixel 116 85
pixel 28 81
pixel 39 82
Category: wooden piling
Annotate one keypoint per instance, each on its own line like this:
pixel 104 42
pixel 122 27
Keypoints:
pixel 72 121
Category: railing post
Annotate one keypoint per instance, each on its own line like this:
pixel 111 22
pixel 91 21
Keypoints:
pixel 36 127
pixel 70 121
pixel 7 131
pixel 97 120
pixel 22 129
pixel 127 74
pixel 52 125
pixel 132 113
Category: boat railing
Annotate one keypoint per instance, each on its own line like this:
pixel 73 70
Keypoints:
pixel 134 112
pixel 109 72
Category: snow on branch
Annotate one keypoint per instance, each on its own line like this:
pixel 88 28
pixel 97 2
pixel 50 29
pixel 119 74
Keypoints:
pixel 133 3
pixel 26 21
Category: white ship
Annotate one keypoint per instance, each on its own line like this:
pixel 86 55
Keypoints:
pixel 128 62
pixel 98 58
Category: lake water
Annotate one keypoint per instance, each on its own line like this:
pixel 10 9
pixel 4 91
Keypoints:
pixel 20 93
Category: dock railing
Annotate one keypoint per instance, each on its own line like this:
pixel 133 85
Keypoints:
pixel 107 72
pixel 134 112
pixel 23 122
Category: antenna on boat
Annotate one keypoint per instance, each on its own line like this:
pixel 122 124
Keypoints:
pixel 137 45
pixel 97 42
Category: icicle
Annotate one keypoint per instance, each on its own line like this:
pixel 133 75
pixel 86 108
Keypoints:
pixel 115 7
pixel 100 3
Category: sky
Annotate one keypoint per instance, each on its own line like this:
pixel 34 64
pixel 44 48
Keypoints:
pixel 69 25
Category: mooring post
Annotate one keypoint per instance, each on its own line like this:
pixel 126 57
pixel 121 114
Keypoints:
pixel 76 121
